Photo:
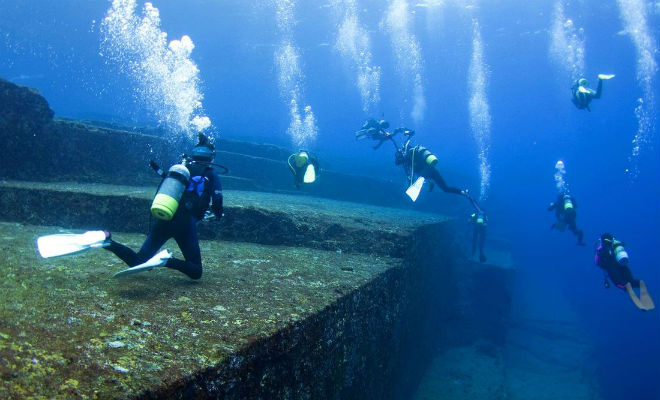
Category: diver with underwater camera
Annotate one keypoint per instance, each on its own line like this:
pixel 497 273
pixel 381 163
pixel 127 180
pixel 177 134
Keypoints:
pixel 417 161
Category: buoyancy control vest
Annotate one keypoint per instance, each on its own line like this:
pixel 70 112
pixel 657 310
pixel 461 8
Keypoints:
pixel 197 195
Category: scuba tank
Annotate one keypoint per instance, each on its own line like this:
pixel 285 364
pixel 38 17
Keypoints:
pixel 169 192
pixel 568 203
pixel 427 156
pixel 620 252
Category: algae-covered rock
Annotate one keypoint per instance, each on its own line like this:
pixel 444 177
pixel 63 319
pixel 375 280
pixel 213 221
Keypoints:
pixel 22 109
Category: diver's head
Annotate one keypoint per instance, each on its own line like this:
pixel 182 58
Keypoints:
pixel 583 82
pixel 301 158
pixel 382 124
pixel 607 238
pixel 204 150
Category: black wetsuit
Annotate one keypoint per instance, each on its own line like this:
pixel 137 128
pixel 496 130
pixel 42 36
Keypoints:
pixel 619 274
pixel 582 100
pixel 182 227
pixel 414 162
pixel 565 216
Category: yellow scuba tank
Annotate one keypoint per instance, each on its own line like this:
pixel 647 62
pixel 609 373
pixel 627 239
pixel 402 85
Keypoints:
pixel 427 156
pixel 169 193
pixel 568 203
pixel 301 158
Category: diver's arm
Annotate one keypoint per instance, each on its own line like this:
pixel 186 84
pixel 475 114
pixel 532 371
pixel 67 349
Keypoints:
pixel 157 169
pixel 474 204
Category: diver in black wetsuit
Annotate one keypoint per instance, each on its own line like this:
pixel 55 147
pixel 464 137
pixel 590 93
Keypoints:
pixel 203 188
pixel 582 94
pixel 418 160
pixel 415 160
pixel 304 166
pixel 479 222
pixel 564 209
pixel 612 257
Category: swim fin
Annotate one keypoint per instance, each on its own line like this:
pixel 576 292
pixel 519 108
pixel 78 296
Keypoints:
pixel 644 303
pixel 645 297
pixel 70 243
pixel 605 76
pixel 415 188
pixel 158 260
pixel 582 89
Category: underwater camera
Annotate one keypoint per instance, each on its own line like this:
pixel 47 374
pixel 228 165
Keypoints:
pixel 405 131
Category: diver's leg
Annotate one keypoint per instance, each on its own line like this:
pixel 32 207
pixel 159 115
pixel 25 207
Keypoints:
pixel 124 253
pixel 475 237
pixel 187 240
pixel 435 176
pixel 577 232
pixel 627 276
pixel 154 241
pixel 599 90
pixel 161 233
pixel 482 242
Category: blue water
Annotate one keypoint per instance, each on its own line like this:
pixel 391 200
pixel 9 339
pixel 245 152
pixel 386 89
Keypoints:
pixel 56 50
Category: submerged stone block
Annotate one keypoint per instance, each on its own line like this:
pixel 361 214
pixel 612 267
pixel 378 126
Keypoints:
pixel 249 216
pixel 264 321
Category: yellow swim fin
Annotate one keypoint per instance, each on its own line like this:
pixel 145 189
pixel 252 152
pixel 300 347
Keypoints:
pixel 605 76
pixel 583 89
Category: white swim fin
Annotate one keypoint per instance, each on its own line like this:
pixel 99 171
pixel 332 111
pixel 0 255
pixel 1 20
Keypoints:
pixel 70 243
pixel 415 188
pixel 158 260
pixel 310 174
pixel 605 76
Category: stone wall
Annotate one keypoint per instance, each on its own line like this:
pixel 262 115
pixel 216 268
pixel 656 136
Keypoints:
pixel 40 148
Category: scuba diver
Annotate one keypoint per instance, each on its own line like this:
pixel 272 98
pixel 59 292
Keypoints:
pixel 564 208
pixel 479 222
pixel 582 94
pixel 416 160
pixel 182 200
pixel 304 167
pixel 612 257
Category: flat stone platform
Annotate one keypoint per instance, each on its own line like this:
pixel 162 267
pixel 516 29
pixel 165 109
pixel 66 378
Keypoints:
pixel 68 328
